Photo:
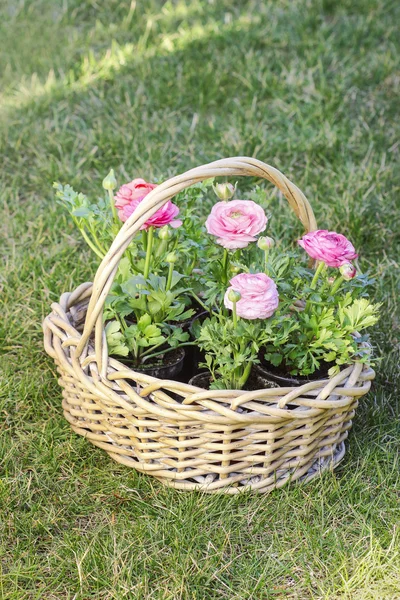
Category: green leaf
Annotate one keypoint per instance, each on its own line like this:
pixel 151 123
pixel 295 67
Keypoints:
pixel 144 322
pixel 275 359
pixel 134 285
pixel 124 269
pixel 115 339
pixel 119 349
pixel 112 328
pixel 132 332
pixel 154 307
pixel 176 278
pixel 152 331
pixel 82 212
pixel 151 341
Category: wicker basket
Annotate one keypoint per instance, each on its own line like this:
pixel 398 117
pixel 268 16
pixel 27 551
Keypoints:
pixel 189 438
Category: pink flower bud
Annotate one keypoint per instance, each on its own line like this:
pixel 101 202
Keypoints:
pixel 348 271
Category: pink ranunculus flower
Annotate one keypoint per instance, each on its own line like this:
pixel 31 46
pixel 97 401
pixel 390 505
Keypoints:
pixel 259 296
pixel 131 194
pixel 135 190
pixel 164 216
pixel 334 249
pixel 236 223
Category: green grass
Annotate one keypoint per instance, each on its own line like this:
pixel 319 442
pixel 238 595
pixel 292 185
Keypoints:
pixel 151 89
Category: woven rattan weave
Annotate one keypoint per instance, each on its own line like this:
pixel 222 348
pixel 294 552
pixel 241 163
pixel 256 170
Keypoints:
pixel 189 438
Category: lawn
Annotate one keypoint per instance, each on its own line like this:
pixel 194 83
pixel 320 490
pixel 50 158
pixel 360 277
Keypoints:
pixel 153 88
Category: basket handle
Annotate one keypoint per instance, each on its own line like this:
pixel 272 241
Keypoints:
pixel 235 166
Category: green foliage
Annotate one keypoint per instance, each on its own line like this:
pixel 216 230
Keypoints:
pixel 166 305
pixel 194 202
pixel 229 351
pixel 322 334
pixel 92 219
pixel 322 324
pixel 154 309
pixel 140 340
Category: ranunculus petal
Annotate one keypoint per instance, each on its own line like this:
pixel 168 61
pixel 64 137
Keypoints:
pixel 175 223
pixel 236 243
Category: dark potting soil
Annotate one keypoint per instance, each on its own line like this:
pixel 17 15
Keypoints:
pixel 165 366
pixel 203 380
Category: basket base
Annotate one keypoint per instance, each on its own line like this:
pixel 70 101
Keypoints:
pixel 211 484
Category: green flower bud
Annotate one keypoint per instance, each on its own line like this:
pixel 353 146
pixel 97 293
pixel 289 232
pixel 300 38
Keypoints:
pixel 265 243
pixel 165 233
pixel 171 257
pixel 224 191
pixel 234 296
pixel 348 271
pixel 109 182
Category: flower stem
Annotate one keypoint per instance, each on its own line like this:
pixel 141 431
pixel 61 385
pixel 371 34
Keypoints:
pixel 162 248
pixel 122 322
pixel 234 315
pixel 225 264
pixel 200 301
pixel 337 284
pixel 150 234
pixel 97 241
pixel 245 376
pixel 91 245
pixel 113 209
pixel 144 239
pixel 318 272
pixel 266 261
pixel 148 352
pixel 169 279
pixel 189 269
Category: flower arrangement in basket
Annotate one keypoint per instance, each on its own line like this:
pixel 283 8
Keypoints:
pixel 204 352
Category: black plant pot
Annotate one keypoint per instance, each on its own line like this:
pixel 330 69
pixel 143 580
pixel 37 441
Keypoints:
pixel 270 376
pixel 199 314
pixel 201 380
pixel 193 355
pixel 168 366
